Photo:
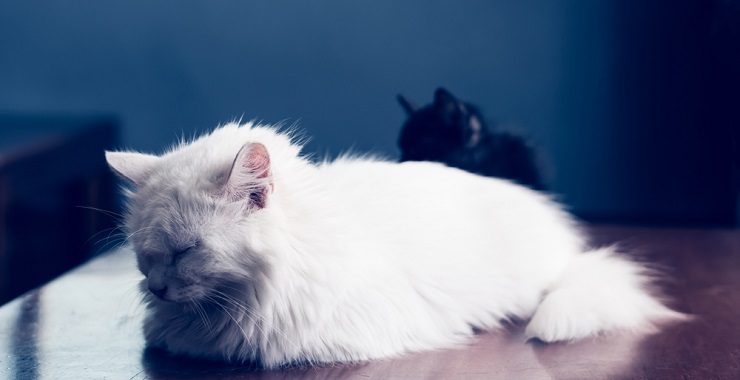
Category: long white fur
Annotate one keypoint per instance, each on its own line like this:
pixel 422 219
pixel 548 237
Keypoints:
pixel 359 258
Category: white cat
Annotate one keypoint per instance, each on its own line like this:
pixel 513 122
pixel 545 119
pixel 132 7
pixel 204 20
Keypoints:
pixel 257 254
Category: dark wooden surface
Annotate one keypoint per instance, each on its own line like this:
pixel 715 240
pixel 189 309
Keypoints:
pixel 87 325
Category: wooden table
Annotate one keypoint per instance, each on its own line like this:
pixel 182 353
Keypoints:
pixel 87 325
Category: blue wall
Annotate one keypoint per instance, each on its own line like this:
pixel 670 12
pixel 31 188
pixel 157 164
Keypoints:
pixel 546 68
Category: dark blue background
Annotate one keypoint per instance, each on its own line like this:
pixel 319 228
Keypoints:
pixel 633 103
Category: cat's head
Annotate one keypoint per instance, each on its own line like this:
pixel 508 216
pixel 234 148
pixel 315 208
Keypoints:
pixel 434 132
pixel 191 217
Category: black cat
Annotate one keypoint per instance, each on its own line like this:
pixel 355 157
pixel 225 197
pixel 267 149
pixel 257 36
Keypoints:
pixel 453 132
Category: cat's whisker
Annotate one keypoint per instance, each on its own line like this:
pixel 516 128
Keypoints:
pixel 115 239
pixel 135 297
pixel 207 317
pixel 236 290
pixel 140 230
pixel 250 313
pixel 239 325
pixel 136 232
pixel 117 228
pixel 108 230
pixel 138 303
pixel 242 309
pixel 113 242
pixel 201 312
pixel 103 211
pixel 105 248
pixel 111 235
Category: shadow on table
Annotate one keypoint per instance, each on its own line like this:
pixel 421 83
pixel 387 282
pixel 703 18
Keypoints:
pixel 159 364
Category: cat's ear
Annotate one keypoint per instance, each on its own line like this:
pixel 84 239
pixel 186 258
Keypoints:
pixel 250 176
pixel 448 108
pixel 459 115
pixel 472 131
pixel 131 166
pixel 445 102
pixel 406 104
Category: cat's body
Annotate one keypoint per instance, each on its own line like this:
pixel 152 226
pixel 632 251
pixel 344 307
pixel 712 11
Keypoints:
pixel 455 133
pixel 270 258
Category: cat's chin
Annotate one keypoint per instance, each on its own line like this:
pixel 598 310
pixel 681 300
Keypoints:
pixel 153 298
pixel 176 304
pixel 189 296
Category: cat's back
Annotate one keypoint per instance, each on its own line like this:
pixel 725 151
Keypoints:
pixel 424 190
pixel 432 177
pixel 442 216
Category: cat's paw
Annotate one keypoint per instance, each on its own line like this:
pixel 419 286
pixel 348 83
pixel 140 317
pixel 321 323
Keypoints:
pixel 559 318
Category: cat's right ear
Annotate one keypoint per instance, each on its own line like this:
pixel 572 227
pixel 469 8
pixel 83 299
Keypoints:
pixel 250 176
pixel 133 167
pixel 406 104
pixel 445 102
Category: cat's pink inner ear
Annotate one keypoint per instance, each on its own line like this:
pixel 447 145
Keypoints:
pixel 131 166
pixel 250 176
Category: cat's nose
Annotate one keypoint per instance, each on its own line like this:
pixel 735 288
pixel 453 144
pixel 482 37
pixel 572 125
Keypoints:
pixel 158 291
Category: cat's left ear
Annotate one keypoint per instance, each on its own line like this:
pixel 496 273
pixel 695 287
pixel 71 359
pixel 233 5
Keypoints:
pixel 407 106
pixel 131 166
pixel 250 177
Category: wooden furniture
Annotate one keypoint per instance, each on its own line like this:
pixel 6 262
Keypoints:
pixel 87 325
pixel 52 171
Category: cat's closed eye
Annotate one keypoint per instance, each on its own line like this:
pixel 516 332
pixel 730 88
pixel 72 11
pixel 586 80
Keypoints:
pixel 181 252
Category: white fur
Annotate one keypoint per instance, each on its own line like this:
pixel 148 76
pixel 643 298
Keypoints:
pixel 359 258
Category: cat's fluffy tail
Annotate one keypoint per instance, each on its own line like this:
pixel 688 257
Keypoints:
pixel 599 292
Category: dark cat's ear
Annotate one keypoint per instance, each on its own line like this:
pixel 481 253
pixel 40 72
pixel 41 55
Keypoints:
pixel 459 115
pixel 132 167
pixel 250 176
pixel 406 104
pixel 472 131
pixel 445 102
